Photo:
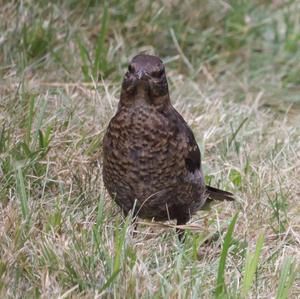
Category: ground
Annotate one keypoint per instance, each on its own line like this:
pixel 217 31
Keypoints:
pixel 233 72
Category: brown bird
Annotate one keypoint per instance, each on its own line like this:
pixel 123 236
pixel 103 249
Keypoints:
pixel 151 161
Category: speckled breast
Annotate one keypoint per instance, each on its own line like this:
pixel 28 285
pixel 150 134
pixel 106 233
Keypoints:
pixel 143 162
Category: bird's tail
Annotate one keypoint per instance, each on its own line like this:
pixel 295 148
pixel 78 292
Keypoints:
pixel 217 194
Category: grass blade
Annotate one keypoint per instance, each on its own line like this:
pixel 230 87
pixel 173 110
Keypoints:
pixel 100 55
pixel 110 280
pixel 30 120
pixel 235 133
pixel 84 56
pixel 100 211
pixel 220 287
pixel 251 266
pixel 40 120
pixel 287 277
pixel 22 192
pixel 120 244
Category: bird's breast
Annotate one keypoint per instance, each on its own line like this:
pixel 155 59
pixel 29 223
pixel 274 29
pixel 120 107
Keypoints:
pixel 142 146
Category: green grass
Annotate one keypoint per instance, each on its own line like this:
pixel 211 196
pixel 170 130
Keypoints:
pixel 233 71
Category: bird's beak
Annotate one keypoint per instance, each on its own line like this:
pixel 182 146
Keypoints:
pixel 140 74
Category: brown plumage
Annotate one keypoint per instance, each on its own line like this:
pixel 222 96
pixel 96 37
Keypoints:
pixel 151 160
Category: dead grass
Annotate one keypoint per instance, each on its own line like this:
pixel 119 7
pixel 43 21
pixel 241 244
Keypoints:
pixel 61 235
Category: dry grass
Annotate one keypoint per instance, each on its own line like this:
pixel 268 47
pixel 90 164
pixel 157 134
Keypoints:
pixel 60 234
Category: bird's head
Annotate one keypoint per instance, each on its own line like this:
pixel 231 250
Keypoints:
pixel 145 80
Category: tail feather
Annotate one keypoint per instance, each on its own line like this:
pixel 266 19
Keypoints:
pixel 217 194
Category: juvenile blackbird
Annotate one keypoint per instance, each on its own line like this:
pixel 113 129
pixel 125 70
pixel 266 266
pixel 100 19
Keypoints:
pixel 151 161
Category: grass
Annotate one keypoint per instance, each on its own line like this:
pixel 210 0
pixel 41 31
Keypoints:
pixel 233 70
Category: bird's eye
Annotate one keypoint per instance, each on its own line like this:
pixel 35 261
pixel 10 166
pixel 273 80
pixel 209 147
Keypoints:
pixel 157 74
pixel 131 69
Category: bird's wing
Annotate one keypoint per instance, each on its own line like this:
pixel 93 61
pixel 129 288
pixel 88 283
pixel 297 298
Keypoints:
pixel 192 153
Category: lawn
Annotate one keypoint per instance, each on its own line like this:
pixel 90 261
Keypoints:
pixel 233 69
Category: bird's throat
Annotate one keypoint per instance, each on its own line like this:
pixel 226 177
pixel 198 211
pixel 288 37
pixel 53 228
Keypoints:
pixel 142 92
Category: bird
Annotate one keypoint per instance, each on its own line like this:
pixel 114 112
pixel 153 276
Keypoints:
pixel 151 160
